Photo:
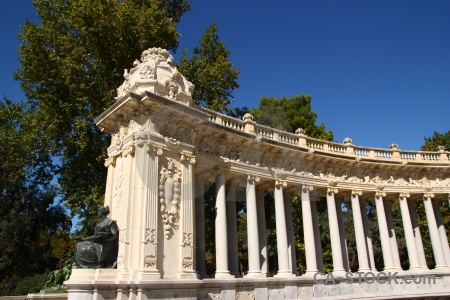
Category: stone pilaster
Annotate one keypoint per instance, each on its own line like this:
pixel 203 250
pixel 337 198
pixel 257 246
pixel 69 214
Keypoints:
pixel 187 228
pixel 150 208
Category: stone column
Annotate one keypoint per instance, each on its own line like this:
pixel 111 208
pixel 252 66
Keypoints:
pixel 363 259
pixel 262 233
pixel 417 236
pixel 254 267
pixel 200 227
pixel 290 235
pixel 369 246
pixel 336 249
pixel 221 229
pixel 308 232
pixel 282 241
pixel 317 240
pixel 392 236
pixel 187 209
pixel 442 233
pixel 342 235
pixel 409 233
pixel 434 233
pixel 233 259
pixel 384 233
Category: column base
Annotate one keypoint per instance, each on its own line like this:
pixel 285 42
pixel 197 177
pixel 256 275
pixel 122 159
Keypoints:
pixel 312 273
pixel 365 270
pixel 188 275
pixel 148 275
pixel 284 274
pixel 441 267
pixel 225 274
pixel 339 273
pixel 254 274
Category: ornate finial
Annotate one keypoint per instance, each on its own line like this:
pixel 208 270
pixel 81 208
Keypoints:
pixel 393 146
pixel 300 131
pixel 441 148
pixel 347 141
pixel 154 73
pixel 248 117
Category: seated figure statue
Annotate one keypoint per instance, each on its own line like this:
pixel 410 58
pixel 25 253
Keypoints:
pixel 99 250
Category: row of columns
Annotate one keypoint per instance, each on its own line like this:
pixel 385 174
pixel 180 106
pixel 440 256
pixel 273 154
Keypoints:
pixel 226 229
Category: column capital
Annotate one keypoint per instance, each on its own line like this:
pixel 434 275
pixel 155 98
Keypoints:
pixel 221 171
pixel 187 157
pixel 306 188
pixel 380 190
pixel 152 148
pixel 428 192
pixel 356 192
pixel 404 195
pixel 280 182
pixel 251 177
pixel 110 161
pixel 128 151
pixel 332 186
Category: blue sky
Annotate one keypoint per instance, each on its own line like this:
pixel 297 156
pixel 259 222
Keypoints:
pixel 378 71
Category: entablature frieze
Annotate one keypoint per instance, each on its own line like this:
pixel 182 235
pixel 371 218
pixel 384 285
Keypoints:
pixel 270 154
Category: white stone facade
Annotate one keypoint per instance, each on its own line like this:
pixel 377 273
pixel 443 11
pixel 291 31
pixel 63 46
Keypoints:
pixel 164 151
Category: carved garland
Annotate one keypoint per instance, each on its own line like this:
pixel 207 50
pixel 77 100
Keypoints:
pixel 169 196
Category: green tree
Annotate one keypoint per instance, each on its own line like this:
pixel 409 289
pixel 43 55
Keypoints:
pixel 211 71
pixel 289 114
pixel 438 139
pixel 71 64
pixel 29 219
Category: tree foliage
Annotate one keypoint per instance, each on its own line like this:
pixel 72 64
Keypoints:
pixel 211 71
pixel 438 139
pixel 29 219
pixel 71 64
pixel 289 114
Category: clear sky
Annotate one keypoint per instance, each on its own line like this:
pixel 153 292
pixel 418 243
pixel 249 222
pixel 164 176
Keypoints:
pixel 378 70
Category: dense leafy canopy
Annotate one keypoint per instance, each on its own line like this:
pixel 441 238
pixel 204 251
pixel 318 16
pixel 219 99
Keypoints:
pixel 210 70
pixel 71 64
pixel 30 222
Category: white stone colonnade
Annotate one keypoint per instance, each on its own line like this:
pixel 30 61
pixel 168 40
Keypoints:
pixel 166 153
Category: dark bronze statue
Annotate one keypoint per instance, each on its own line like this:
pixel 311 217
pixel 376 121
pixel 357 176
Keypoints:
pixel 99 250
